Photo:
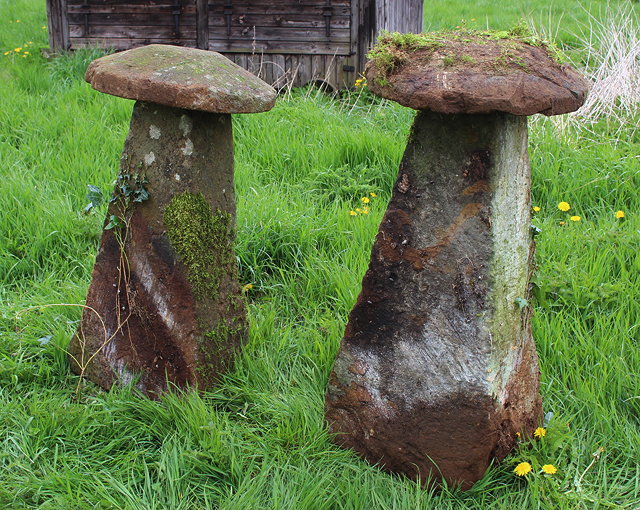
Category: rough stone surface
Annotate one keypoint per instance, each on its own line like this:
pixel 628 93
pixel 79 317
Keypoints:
pixel 181 77
pixel 438 366
pixel 165 303
pixel 465 73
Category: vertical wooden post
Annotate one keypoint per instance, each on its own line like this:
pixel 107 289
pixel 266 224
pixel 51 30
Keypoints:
pixel 202 24
pixel 58 25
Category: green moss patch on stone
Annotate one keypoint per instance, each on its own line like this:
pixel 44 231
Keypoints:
pixel 202 239
pixel 462 48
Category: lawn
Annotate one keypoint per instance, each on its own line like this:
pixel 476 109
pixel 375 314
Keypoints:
pixel 259 440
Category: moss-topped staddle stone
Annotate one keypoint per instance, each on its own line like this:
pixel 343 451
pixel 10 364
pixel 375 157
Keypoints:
pixel 165 306
pixel 437 372
pixel 181 77
pixel 474 72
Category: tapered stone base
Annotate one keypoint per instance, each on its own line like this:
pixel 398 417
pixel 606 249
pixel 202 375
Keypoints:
pixel 438 370
pixel 164 304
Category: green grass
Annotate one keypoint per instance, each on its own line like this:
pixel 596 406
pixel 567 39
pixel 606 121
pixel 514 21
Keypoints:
pixel 259 441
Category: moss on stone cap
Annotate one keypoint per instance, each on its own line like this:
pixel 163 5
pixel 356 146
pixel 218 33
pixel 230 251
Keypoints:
pixel 475 71
pixel 181 77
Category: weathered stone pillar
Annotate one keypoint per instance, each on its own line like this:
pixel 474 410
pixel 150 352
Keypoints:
pixel 437 370
pixel 164 302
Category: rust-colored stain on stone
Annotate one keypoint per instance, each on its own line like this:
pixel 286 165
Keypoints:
pixel 433 378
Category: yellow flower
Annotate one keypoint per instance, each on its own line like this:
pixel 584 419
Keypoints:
pixel 353 213
pixel 619 214
pixel 17 50
pixel 373 194
pixel 575 218
pixel 365 210
pixel 540 432
pixel 562 223
pixel 17 21
pixel 536 208
pixel 7 52
pixel 549 469
pixel 522 469
pixel 358 209
pixel 247 287
pixel 564 206
pixel 26 52
pixel 365 200
pixel 43 28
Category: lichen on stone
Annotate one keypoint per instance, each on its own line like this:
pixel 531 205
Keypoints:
pixel 202 239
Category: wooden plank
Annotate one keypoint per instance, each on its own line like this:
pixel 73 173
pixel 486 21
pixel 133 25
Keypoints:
pixel 275 34
pixel 280 74
pixel 281 20
pixel 284 9
pixel 141 10
pixel 54 17
pixel 66 40
pixel 202 24
pixel 125 43
pixel 284 47
pixel 133 32
pixel 132 19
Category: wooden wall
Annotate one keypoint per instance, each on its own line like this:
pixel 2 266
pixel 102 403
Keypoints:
pixel 285 42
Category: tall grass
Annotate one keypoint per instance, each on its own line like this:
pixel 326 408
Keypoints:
pixel 259 440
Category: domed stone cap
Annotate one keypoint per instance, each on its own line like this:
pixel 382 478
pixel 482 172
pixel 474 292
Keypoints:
pixel 474 72
pixel 181 77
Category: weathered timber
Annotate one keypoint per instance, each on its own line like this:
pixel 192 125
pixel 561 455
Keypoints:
pixel 325 41
pixel 164 306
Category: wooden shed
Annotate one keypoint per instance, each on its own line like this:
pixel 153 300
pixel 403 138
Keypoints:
pixel 285 42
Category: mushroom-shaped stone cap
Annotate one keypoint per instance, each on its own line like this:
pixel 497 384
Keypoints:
pixel 181 77
pixel 474 72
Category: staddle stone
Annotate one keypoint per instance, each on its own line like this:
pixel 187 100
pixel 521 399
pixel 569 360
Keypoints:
pixel 437 372
pixel 164 305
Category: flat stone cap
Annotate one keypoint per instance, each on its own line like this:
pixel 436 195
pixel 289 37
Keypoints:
pixel 474 72
pixel 181 77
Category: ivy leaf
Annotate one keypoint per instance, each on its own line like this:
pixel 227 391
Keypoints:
pixel 95 198
pixel 114 222
pixel 141 195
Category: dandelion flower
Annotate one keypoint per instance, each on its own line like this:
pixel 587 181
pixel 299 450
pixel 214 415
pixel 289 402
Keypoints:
pixel 575 218
pixel 549 469
pixel 365 210
pixel 562 223
pixel 17 21
pixel 43 28
pixel 358 209
pixel 353 213
pixel 536 208
pixel 375 195
pixel 247 287
pixel 365 200
pixel 17 50
pixel 619 214
pixel 7 52
pixel 540 432
pixel 522 469
pixel 564 206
